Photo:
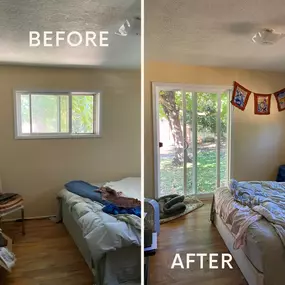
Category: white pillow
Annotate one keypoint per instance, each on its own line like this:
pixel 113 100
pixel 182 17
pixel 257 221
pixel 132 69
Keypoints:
pixel 130 186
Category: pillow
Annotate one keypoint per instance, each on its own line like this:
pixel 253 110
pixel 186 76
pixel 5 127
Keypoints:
pixel 129 186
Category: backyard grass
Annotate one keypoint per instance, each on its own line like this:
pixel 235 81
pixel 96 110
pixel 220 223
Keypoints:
pixel 171 176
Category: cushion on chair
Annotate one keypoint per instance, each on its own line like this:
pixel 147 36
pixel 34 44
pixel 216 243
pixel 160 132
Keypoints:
pixel 7 197
pixel 10 201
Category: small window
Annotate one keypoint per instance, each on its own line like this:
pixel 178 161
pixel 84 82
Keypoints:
pixel 57 114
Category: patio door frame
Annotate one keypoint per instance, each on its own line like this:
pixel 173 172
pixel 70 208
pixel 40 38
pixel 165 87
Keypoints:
pixel 156 87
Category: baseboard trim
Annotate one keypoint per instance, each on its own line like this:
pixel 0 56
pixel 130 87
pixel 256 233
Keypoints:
pixel 30 218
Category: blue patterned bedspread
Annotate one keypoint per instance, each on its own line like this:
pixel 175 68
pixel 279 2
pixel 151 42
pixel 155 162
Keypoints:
pixel 264 197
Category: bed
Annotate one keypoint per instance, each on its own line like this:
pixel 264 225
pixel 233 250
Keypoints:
pixel 252 239
pixel 110 247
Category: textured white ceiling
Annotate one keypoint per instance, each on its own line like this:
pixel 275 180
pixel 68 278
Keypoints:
pixel 214 32
pixel 18 17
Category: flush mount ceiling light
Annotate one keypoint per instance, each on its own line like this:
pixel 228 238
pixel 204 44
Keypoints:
pixel 123 30
pixel 267 37
pixel 130 27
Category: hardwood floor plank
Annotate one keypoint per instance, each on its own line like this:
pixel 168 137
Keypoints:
pixel 47 255
pixel 192 233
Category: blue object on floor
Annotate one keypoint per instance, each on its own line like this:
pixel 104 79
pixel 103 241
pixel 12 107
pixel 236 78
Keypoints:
pixel 281 174
pixel 115 210
pixel 85 190
pixel 156 213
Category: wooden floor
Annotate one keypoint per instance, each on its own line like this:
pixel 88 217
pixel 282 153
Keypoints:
pixel 48 256
pixel 45 256
pixel 191 234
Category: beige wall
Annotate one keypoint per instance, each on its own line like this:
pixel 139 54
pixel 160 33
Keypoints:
pixel 38 169
pixel 258 140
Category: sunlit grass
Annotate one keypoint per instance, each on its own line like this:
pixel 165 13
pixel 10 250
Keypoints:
pixel 171 176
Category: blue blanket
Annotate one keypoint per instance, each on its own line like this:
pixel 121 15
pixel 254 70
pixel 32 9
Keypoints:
pixel 115 210
pixel 264 197
pixel 85 190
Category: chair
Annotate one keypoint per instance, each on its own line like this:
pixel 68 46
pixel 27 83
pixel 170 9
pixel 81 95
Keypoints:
pixel 18 206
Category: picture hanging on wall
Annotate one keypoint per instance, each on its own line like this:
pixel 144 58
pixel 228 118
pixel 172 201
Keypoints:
pixel 240 96
pixel 280 98
pixel 262 104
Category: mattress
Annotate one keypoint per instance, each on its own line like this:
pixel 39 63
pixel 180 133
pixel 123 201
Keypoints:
pixel 262 244
pixel 114 269
pixel 103 240
pixel 103 232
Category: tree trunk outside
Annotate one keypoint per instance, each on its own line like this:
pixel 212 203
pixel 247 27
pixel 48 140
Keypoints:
pixel 172 112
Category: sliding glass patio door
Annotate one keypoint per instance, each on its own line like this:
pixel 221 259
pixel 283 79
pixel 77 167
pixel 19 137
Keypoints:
pixel 192 138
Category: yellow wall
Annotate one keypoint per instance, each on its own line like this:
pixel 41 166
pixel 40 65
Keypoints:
pixel 258 140
pixel 38 169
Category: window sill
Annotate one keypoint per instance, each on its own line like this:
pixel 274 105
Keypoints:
pixel 46 136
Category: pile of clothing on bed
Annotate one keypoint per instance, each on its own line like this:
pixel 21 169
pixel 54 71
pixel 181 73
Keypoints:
pixel 114 201
pixel 126 209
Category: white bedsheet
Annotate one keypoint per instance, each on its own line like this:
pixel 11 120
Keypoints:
pixel 130 186
pixel 102 232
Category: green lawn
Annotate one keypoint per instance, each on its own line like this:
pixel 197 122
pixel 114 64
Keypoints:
pixel 172 176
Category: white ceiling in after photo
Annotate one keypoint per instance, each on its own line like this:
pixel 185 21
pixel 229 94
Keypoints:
pixel 18 17
pixel 214 32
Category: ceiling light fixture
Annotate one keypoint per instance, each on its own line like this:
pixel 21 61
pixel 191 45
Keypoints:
pixel 130 27
pixel 267 37
pixel 123 30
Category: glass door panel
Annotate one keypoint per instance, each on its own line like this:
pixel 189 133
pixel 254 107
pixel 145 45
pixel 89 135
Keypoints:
pixel 206 142
pixel 171 142
pixel 224 131
pixel 188 135
pixel 193 134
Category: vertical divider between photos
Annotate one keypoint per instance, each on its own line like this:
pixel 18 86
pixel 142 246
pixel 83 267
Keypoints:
pixel 142 144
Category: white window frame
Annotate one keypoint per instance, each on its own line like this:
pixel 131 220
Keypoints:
pixel 156 131
pixel 97 123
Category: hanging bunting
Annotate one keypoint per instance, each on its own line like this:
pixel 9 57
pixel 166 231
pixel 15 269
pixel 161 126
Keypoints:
pixel 262 104
pixel 280 98
pixel 240 96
